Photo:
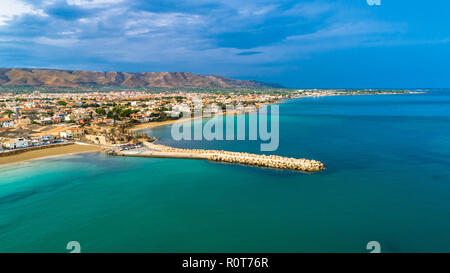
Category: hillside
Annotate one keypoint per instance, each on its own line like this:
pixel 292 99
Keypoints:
pixel 77 78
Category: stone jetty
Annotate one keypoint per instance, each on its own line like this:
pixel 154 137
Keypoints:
pixel 266 161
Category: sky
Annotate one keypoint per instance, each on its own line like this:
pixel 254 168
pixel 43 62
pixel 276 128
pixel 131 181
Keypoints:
pixel 299 44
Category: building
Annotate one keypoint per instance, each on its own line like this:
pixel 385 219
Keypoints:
pixel 6 122
pixel 72 133
pixel 97 139
pixel 16 143
pixel 56 119
pixel 22 121
pixel 45 121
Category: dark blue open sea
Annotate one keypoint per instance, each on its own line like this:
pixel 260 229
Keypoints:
pixel 387 180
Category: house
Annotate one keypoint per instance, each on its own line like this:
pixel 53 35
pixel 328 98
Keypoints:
pixel 140 118
pixel 72 133
pixel 61 115
pixel 16 143
pixel 108 121
pixel 45 121
pixel 6 122
pixel 56 119
pixel 27 111
pixel 23 121
pixel 70 117
pixel 42 139
pixel 36 141
pixel 173 114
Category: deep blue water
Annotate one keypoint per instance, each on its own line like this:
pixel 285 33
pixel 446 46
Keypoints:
pixel 387 179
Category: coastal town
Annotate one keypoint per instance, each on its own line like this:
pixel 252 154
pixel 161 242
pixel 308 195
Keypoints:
pixel 37 118
pixel 112 120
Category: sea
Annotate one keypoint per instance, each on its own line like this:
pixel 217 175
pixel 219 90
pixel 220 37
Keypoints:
pixel 387 179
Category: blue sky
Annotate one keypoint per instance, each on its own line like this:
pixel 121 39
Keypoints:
pixel 314 43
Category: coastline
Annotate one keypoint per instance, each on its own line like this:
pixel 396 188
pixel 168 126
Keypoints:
pixel 88 148
pixel 154 124
pixel 48 153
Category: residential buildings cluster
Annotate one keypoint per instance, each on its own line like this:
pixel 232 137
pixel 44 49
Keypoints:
pixel 38 118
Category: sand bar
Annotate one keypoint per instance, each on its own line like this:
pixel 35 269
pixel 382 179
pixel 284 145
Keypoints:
pixel 48 152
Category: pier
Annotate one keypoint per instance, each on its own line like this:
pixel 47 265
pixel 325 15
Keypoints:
pixel 266 161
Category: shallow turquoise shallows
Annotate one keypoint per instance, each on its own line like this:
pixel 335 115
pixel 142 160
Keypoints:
pixel 387 180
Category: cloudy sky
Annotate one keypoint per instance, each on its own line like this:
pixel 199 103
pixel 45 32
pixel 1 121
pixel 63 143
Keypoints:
pixel 314 43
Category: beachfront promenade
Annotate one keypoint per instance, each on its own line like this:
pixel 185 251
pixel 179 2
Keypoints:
pixel 266 161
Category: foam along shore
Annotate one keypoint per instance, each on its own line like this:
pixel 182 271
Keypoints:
pixel 46 152
pixel 267 161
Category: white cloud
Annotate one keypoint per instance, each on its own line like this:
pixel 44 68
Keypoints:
pixel 70 42
pixel 256 10
pixel 92 3
pixel 311 9
pixel 161 19
pixel 69 32
pixel 11 8
pixel 349 29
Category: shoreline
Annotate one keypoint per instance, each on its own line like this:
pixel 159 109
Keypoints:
pixel 149 125
pixel 80 148
pixel 48 153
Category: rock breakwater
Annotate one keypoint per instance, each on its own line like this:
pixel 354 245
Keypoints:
pixel 266 161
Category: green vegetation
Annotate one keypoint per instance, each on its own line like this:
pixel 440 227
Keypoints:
pixel 87 105
pixel 164 117
pixel 117 113
pixel 8 112
pixel 100 111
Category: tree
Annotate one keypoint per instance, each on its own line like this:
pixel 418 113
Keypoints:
pixel 127 112
pixel 114 113
pixel 62 103
pixel 9 113
pixel 100 111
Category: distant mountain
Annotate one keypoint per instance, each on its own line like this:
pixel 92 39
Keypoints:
pixel 76 78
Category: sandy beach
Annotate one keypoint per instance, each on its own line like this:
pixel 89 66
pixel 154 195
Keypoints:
pixel 49 152
pixel 161 123
pixel 156 124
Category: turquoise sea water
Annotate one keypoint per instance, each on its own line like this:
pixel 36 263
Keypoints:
pixel 387 179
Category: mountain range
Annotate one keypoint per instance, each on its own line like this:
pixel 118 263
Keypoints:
pixel 78 78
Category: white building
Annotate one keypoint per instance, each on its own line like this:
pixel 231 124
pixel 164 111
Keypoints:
pixel 6 122
pixel 16 143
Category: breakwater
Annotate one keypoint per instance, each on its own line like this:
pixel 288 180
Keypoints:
pixel 267 161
